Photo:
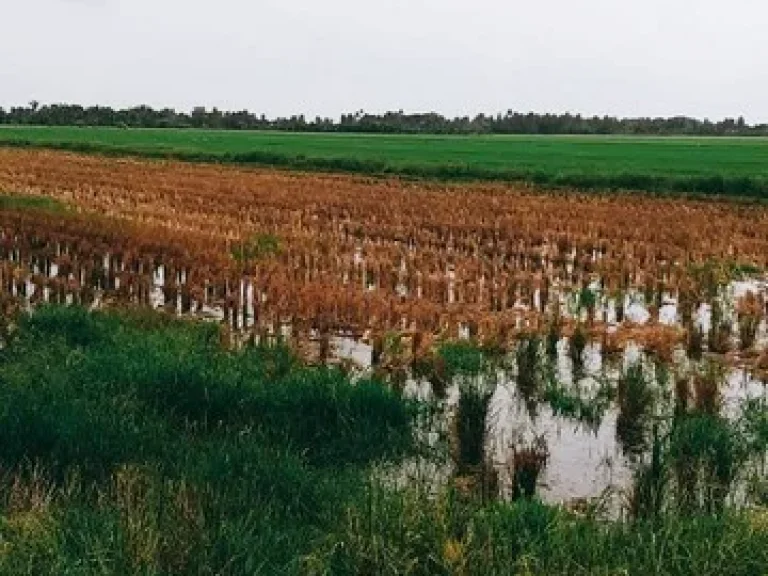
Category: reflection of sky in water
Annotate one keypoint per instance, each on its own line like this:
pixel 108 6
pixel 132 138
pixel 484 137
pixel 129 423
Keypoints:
pixel 584 462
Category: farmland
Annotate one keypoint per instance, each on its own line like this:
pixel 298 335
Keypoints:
pixel 723 166
pixel 210 368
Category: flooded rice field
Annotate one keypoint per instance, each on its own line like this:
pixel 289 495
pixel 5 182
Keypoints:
pixel 560 400
pixel 577 347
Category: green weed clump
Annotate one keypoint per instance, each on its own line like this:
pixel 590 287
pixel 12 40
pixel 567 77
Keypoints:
pixel 700 459
pixel 529 359
pixel 636 408
pixel 29 202
pixel 257 247
pixel 462 359
pixel 576 346
pixel 472 424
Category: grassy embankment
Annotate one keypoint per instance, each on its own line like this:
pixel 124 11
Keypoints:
pixel 135 444
pixel 707 166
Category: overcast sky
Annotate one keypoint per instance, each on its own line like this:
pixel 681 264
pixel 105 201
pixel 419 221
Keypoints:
pixel 704 58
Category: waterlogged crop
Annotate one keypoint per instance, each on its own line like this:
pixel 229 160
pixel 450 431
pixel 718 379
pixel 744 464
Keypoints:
pixel 159 443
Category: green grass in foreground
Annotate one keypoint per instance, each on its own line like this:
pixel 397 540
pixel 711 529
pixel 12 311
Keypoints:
pixel 722 166
pixel 133 444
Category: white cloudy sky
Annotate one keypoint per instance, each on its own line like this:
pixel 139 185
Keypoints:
pixel 705 58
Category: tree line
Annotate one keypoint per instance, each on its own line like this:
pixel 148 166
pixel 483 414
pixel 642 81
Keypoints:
pixel 398 122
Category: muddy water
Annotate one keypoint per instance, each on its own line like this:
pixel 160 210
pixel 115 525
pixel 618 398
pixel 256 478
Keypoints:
pixel 587 462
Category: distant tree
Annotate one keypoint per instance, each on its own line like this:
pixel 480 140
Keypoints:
pixel 511 122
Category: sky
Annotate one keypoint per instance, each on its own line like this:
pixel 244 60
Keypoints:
pixel 702 58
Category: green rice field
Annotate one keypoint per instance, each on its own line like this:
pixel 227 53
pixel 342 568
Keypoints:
pixel 720 166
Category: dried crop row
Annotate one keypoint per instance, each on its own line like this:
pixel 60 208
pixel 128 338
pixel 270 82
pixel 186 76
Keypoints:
pixel 357 254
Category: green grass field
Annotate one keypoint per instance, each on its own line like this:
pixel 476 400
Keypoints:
pixel 723 166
